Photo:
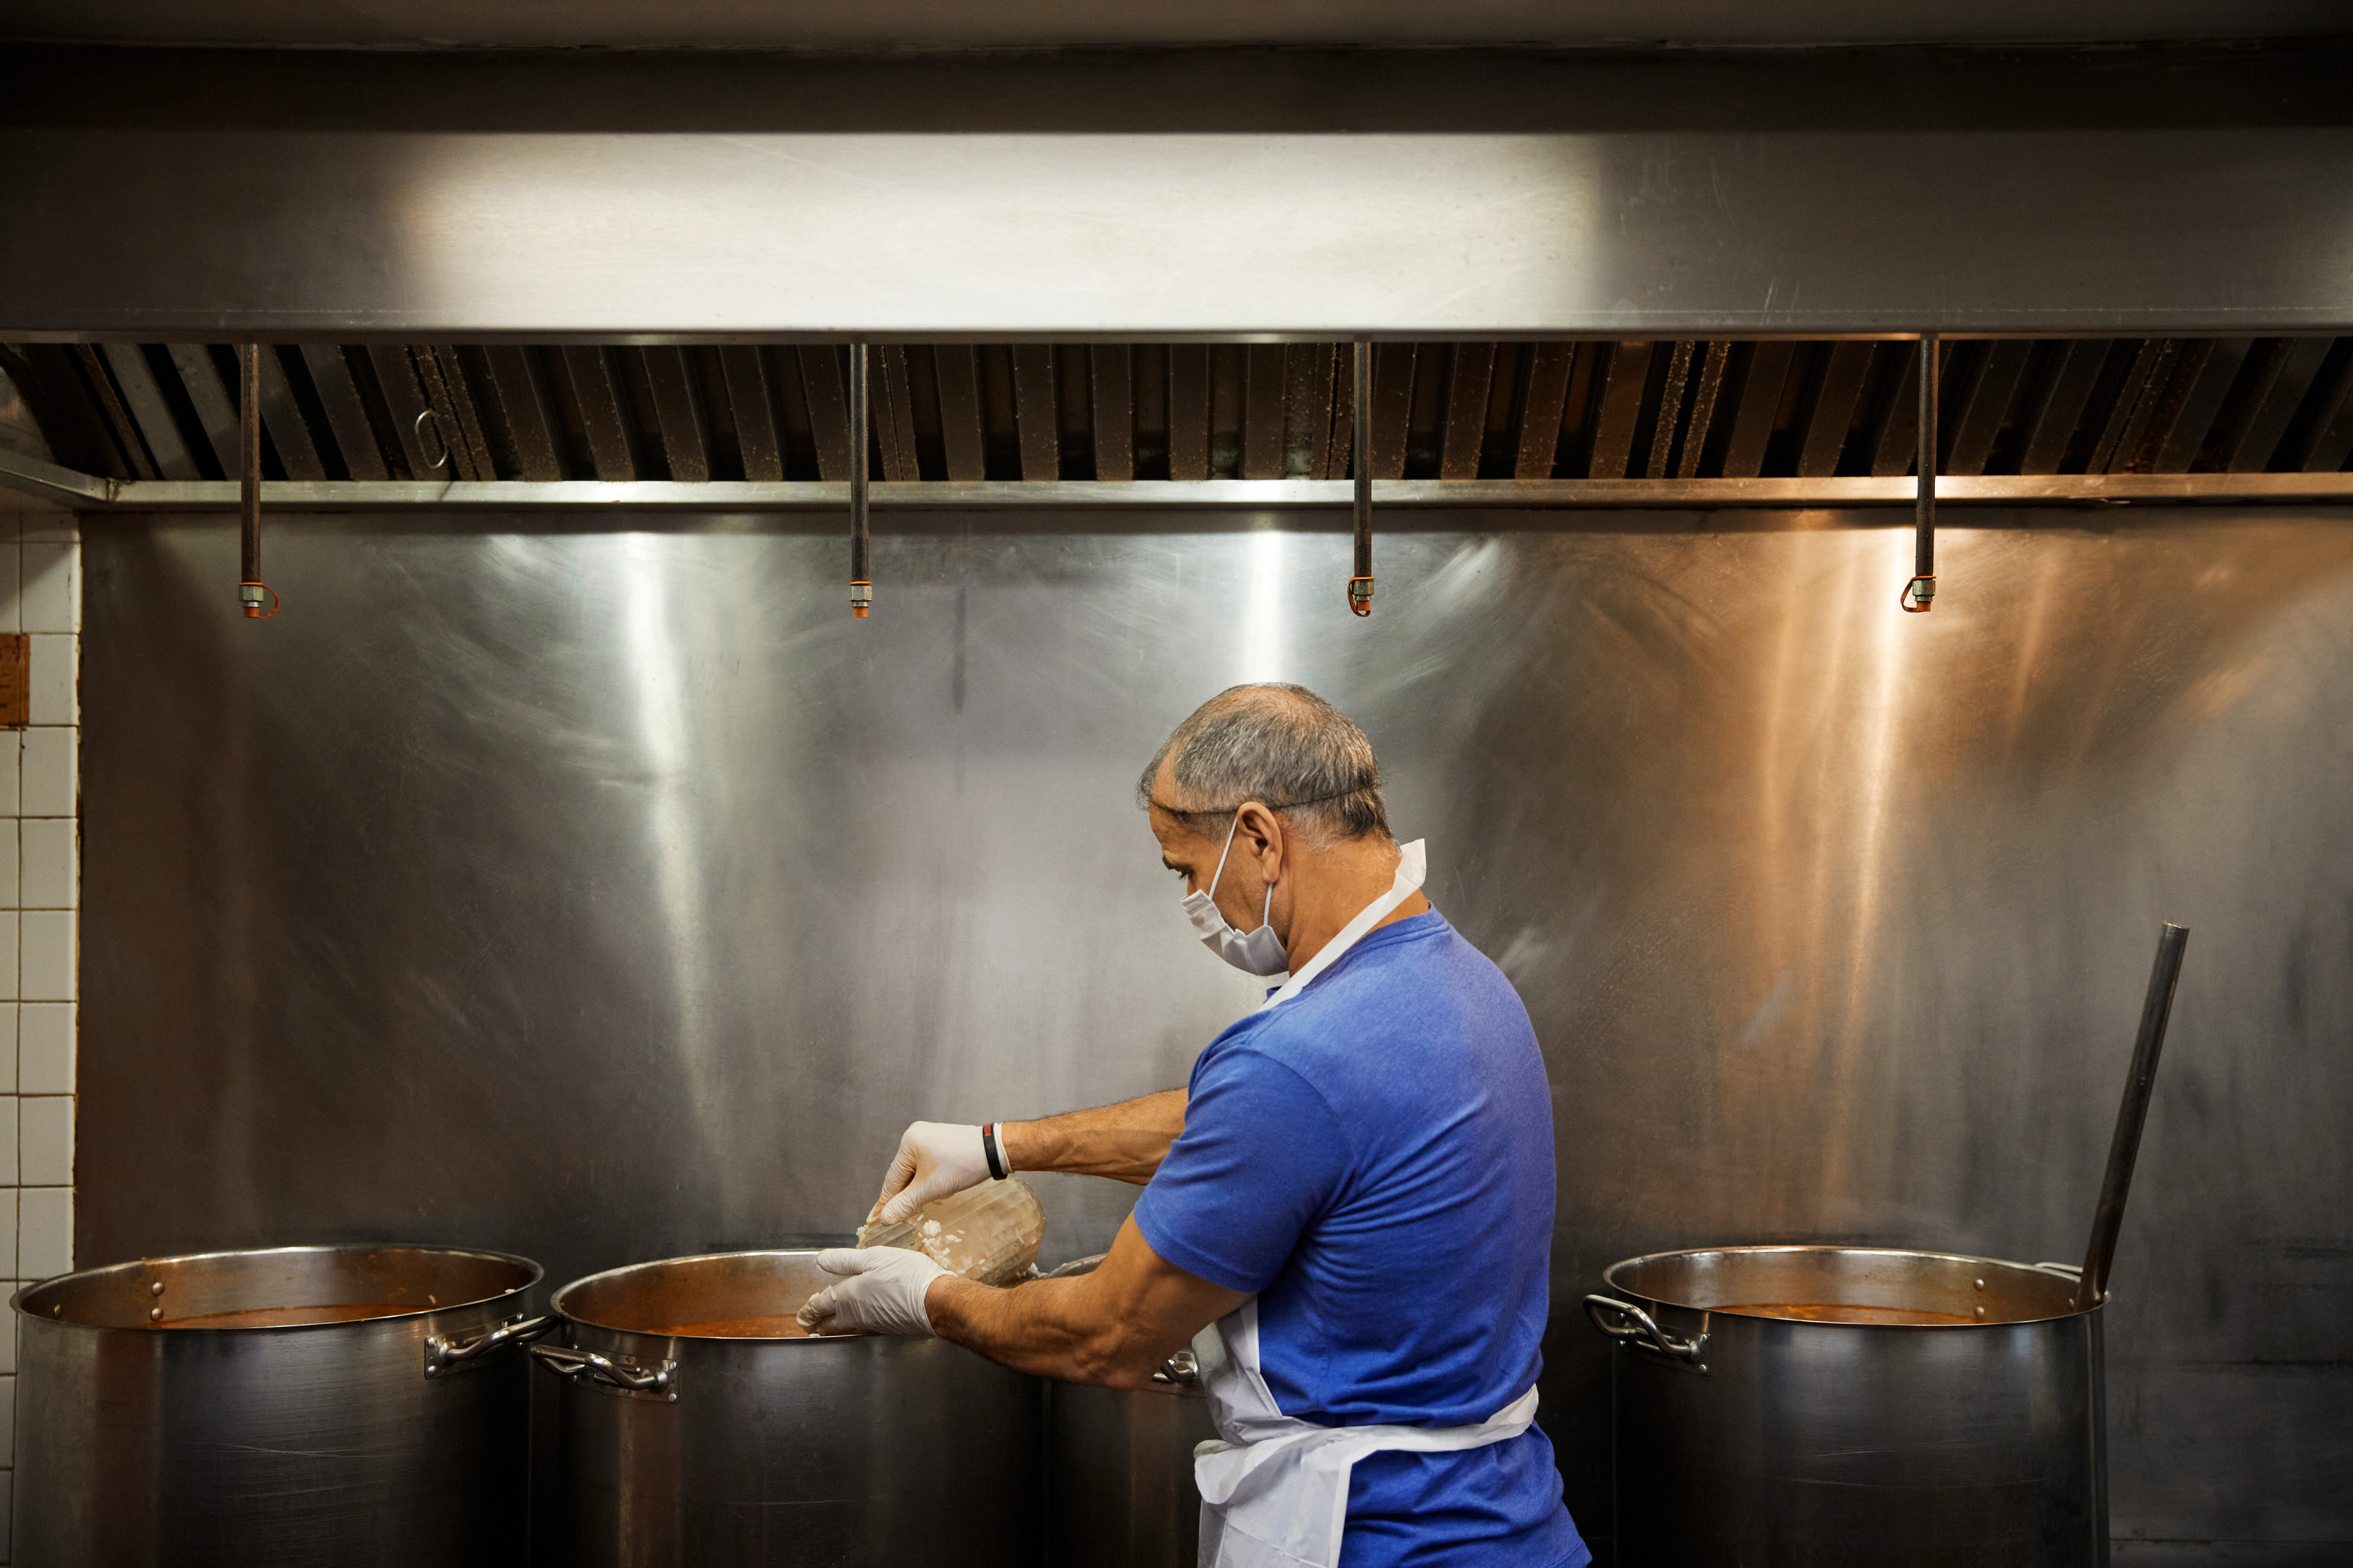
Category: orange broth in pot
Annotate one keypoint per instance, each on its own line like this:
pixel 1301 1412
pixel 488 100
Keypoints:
pixel 1834 1312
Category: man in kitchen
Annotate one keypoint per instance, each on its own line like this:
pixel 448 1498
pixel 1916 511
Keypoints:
pixel 1356 1188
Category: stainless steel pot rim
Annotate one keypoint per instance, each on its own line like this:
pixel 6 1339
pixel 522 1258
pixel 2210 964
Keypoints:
pixel 556 1301
pixel 532 1271
pixel 2057 1271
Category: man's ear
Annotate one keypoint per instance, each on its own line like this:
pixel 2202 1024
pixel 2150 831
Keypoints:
pixel 1263 828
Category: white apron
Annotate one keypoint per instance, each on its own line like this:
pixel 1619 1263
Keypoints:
pixel 1274 1492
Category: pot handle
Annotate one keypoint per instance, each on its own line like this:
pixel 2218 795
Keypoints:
pixel 565 1361
pixel 444 1355
pixel 1182 1370
pixel 1632 1324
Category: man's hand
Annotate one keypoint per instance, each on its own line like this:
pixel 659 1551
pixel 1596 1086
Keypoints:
pixel 881 1292
pixel 934 1158
pixel 1111 1327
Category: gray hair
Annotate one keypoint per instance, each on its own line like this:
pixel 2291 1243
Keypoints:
pixel 1282 745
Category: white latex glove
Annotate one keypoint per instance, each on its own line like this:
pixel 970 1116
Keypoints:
pixel 934 1158
pixel 881 1292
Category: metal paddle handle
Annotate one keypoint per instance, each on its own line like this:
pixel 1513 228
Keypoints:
pixel 2125 1148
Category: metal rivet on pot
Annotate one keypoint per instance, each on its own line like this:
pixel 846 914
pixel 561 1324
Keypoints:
pixel 1981 1285
pixel 1981 1311
pixel 59 1310
pixel 431 1299
pixel 156 1288
pixel 155 1314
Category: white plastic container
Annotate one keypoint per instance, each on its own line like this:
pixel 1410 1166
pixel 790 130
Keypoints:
pixel 989 1233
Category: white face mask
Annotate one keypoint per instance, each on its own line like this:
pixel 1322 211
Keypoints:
pixel 1261 952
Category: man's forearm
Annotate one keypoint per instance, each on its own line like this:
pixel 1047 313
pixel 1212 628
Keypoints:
pixel 1125 1143
pixel 1114 1326
pixel 1047 1328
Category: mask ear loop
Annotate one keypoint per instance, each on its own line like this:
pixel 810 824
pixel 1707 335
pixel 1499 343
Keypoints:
pixel 1221 857
pixel 1265 915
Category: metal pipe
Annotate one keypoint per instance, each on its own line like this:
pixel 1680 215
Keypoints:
pixel 89 492
pixel 1919 594
pixel 2124 1149
pixel 861 583
pixel 1360 587
pixel 252 593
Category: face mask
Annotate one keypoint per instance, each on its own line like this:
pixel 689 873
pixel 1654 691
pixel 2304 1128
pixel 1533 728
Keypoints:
pixel 1261 952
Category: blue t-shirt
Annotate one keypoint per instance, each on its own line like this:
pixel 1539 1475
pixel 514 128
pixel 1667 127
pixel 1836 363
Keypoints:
pixel 1373 1159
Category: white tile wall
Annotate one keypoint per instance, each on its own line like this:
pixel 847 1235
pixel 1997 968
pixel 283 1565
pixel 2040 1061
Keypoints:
pixel 56 677
pixel 45 954
pixel 48 862
pixel 44 1140
pixel 40 894
pixel 44 1231
pixel 49 780
pixel 44 1048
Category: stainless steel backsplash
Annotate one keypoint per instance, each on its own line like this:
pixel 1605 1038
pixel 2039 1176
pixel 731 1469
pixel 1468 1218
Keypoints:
pixel 603 895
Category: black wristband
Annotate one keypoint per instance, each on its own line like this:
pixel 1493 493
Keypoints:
pixel 993 1147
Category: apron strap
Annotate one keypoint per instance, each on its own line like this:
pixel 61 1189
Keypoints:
pixel 1413 864
pixel 1296 1515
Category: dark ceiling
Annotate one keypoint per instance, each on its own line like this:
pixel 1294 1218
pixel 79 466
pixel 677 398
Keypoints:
pixel 887 24
pixel 1197 411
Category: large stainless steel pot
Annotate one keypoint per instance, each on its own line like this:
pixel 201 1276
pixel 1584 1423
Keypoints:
pixel 698 1452
pixel 1760 1442
pixel 399 1438
pixel 1119 1467
pixel 1119 1474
